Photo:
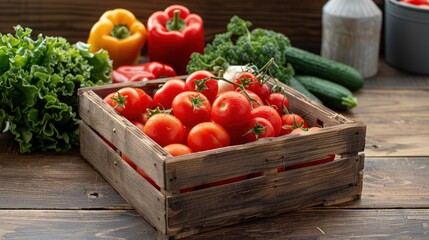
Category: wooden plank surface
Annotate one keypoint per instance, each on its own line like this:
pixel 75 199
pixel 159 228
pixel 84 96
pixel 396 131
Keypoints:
pixel 74 19
pixel 73 225
pixel 305 224
pixel 46 182
pixel 397 121
pixel 54 181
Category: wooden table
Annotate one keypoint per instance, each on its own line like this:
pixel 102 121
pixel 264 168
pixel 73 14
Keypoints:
pixel 60 196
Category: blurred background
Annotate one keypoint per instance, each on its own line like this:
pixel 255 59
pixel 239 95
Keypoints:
pixel 300 20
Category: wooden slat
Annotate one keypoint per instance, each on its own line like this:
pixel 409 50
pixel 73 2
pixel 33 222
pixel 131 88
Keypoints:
pixel 394 183
pixel 54 181
pixel 123 134
pixel 332 224
pixel 397 121
pixel 263 155
pixel 305 224
pixel 73 225
pixel 265 196
pixel 74 19
pixel 132 187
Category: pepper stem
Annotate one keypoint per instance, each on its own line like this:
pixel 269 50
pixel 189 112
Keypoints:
pixel 176 23
pixel 121 31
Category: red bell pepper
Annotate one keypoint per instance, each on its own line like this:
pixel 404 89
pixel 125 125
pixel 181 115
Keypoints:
pixel 173 35
pixel 135 73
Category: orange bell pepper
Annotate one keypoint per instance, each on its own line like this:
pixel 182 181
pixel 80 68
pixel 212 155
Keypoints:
pixel 120 33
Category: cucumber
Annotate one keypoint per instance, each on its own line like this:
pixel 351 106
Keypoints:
pixel 295 84
pixel 307 63
pixel 332 94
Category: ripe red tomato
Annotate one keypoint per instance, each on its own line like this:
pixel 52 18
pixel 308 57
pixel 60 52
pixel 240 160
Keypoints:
pixel 251 82
pixel 206 136
pixel 290 122
pixel 237 136
pixel 164 96
pixel 206 85
pixel 271 115
pixel 177 149
pixel 304 130
pixel 164 129
pixel 130 102
pixel 149 179
pixel 279 102
pixel 258 128
pixel 231 110
pixel 191 108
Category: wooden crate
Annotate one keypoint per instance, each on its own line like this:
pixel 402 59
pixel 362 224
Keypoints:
pixel 175 214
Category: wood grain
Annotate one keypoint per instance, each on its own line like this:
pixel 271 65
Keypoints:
pixel 397 121
pixel 54 181
pixel 74 19
pixel 327 224
pixel 74 225
pixel 391 78
pixel 394 183
pixel 305 224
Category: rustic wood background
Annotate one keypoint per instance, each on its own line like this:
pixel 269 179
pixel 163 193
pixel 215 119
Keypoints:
pixel 73 19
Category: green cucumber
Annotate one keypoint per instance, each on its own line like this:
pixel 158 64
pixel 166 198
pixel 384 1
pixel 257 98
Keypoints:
pixel 307 63
pixel 295 84
pixel 332 94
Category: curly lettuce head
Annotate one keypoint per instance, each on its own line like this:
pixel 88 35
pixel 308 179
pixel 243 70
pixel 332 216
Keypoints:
pixel 39 79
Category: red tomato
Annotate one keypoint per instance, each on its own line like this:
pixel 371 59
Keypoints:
pixel 208 87
pixel 206 136
pixel 279 102
pixel 165 95
pixel 304 130
pixel 237 136
pixel 130 102
pixel 108 99
pixel 150 180
pixel 127 160
pixel 271 115
pixel 231 110
pixel 250 82
pixel 164 129
pixel 142 118
pixel 256 100
pixel 177 149
pixel 290 122
pixel 258 128
pixel 191 108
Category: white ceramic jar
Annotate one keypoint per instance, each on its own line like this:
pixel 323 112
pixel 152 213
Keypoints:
pixel 351 32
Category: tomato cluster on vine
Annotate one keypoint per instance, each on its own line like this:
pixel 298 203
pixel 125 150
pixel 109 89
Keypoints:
pixel 205 112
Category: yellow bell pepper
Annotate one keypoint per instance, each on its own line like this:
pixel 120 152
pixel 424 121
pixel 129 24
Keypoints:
pixel 121 34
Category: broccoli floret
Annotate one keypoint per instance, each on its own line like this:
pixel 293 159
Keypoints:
pixel 240 46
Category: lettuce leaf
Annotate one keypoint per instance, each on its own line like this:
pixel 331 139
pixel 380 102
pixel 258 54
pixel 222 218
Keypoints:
pixel 39 79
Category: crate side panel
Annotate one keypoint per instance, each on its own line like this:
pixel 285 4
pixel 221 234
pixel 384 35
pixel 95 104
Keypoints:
pixel 263 155
pixel 266 195
pixel 123 134
pixel 148 201
pixel 313 112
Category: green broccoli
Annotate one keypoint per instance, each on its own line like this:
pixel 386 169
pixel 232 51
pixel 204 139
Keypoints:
pixel 240 46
